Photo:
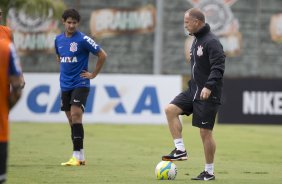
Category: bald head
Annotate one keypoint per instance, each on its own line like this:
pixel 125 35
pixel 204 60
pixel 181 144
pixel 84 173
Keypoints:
pixel 194 20
pixel 197 14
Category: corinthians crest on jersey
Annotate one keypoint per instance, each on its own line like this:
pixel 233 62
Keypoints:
pixel 73 47
pixel 200 51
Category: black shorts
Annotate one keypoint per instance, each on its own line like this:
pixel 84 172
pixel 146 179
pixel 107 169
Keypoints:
pixel 76 97
pixel 204 112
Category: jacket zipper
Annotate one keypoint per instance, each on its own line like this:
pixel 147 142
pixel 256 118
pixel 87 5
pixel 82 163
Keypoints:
pixel 194 69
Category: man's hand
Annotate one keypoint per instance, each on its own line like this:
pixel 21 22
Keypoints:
pixel 100 62
pixel 58 59
pixel 87 75
pixel 205 93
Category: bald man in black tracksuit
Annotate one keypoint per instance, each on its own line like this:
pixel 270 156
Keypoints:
pixel 202 98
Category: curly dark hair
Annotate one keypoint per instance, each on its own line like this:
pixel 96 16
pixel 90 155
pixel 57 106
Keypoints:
pixel 71 13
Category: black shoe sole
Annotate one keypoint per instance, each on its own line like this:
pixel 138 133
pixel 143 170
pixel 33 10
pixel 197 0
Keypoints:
pixel 175 159
pixel 202 179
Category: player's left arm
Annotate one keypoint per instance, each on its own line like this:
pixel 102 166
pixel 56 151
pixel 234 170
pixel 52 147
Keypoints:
pixel 90 45
pixel 15 77
pixel 102 55
pixel 22 81
pixel 217 67
pixel 217 63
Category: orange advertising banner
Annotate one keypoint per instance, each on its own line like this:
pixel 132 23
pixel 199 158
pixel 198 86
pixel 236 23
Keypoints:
pixel 111 22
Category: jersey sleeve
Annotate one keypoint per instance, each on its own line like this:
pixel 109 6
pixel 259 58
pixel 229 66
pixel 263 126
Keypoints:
pixel 14 62
pixel 91 45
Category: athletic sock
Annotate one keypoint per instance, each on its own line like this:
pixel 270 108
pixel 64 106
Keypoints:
pixel 179 144
pixel 76 154
pixel 78 135
pixel 81 155
pixel 72 136
pixel 209 168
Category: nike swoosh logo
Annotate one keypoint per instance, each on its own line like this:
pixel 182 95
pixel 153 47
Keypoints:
pixel 206 179
pixel 76 100
pixel 178 155
pixel 203 123
pixel 83 107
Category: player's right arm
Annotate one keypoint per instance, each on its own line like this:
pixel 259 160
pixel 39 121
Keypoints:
pixel 57 52
pixel 15 77
pixel 58 58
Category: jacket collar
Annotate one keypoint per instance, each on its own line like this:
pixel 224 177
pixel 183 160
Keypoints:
pixel 204 30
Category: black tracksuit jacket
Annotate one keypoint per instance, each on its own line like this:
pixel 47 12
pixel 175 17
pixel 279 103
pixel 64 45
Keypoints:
pixel 207 65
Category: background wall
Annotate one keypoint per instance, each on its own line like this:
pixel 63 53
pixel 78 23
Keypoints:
pixel 133 53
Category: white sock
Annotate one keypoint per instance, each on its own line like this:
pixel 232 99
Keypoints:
pixel 209 168
pixel 75 154
pixel 81 155
pixel 179 144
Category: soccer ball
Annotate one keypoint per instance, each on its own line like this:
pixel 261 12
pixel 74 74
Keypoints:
pixel 166 170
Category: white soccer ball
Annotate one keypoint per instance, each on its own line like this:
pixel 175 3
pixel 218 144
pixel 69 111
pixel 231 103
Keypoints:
pixel 166 170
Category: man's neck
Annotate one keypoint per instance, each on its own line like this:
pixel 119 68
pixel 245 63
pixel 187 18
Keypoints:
pixel 200 27
pixel 69 34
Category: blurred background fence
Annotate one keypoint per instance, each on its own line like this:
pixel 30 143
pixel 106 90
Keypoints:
pixel 251 32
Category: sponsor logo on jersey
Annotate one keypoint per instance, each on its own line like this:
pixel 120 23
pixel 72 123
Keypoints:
pixel 90 41
pixel 68 59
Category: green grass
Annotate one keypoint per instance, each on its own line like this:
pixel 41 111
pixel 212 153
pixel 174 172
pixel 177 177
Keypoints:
pixel 128 154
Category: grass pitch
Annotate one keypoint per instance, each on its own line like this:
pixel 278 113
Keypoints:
pixel 128 154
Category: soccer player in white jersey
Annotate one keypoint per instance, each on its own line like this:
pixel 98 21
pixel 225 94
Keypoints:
pixel 72 49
